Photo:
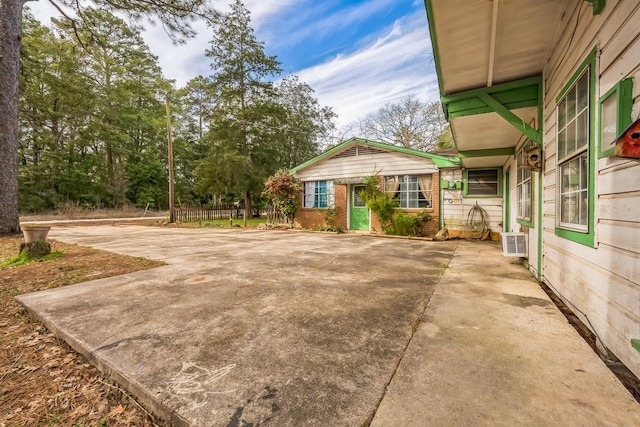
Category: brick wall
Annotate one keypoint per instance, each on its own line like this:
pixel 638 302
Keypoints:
pixel 313 218
pixel 430 228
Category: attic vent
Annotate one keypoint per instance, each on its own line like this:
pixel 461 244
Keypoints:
pixel 514 244
pixel 359 150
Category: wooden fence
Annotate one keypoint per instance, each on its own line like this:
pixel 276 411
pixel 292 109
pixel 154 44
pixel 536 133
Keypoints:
pixel 193 213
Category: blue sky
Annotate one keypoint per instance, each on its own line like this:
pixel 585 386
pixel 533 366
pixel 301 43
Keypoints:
pixel 357 55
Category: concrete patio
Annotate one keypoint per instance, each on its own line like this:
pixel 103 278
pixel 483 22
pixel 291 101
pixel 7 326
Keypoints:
pixel 289 328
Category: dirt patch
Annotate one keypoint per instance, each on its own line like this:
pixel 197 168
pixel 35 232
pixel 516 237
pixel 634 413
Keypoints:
pixel 42 380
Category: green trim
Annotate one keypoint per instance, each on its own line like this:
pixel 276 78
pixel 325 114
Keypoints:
pixel 484 109
pixel 440 161
pixel 624 107
pixel 635 343
pixel 525 223
pixel 440 203
pixel 585 238
pixel 589 60
pixel 510 117
pixel 512 90
pixel 465 186
pixel 522 221
pixel 540 196
pixel 598 5
pixel 507 201
pixel 540 229
pixel 500 99
pixel 492 152
pixel 434 45
pixel 511 95
pixel 533 213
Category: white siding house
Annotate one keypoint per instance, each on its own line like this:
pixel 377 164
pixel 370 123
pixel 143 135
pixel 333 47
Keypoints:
pixel 560 79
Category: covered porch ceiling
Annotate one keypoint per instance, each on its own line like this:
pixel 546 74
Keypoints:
pixel 489 56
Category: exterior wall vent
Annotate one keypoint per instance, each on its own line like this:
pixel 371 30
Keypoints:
pixel 514 244
pixel 359 150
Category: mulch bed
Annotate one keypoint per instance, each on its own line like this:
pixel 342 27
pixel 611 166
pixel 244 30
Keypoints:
pixel 42 380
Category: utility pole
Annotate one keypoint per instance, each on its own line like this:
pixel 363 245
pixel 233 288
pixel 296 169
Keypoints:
pixel 172 218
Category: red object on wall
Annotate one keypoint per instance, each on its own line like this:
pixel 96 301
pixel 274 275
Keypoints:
pixel 628 144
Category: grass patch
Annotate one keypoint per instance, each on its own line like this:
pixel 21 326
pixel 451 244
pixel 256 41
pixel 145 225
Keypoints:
pixel 23 259
pixel 443 268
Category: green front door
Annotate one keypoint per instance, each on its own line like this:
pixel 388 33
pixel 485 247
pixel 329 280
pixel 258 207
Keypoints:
pixel 359 215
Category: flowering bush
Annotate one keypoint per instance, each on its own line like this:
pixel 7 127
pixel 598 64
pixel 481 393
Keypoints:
pixel 281 189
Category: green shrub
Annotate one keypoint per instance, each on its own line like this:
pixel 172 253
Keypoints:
pixel 379 202
pixel 405 224
pixel 392 220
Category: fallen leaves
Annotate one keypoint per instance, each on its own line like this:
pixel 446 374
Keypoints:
pixel 42 380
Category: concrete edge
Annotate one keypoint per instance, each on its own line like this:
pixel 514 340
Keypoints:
pixel 149 402
pixel 414 328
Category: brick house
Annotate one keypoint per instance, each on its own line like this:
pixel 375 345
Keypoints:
pixel 334 180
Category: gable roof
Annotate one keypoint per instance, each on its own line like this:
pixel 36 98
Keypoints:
pixel 375 146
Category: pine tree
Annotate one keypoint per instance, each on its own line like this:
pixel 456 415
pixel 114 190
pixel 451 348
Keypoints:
pixel 242 148
pixel 174 15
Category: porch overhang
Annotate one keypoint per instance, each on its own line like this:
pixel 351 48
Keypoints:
pixel 489 56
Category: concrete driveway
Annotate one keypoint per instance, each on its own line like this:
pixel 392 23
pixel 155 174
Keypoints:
pixel 249 327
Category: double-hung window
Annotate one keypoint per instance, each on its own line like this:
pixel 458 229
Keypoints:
pixel 411 191
pixel 524 188
pixel 318 194
pixel 576 153
pixel 573 155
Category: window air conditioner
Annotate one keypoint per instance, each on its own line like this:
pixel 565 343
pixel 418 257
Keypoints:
pixel 514 244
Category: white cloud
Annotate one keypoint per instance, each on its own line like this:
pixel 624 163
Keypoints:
pixel 185 61
pixel 261 10
pixel 394 66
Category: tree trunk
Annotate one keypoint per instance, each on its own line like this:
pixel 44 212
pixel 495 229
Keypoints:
pixel 10 38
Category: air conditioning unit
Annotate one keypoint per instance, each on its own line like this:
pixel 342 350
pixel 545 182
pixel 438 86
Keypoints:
pixel 514 244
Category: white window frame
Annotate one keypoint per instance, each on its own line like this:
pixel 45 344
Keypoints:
pixel 573 140
pixel 409 193
pixel 524 188
pixel 318 194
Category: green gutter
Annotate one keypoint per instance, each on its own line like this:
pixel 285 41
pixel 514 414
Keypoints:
pixel 434 43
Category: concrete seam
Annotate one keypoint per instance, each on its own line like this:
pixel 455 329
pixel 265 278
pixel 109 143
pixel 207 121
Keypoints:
pixel 415 327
